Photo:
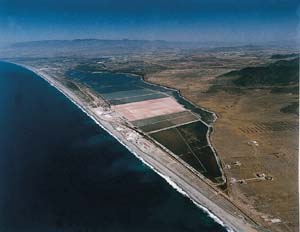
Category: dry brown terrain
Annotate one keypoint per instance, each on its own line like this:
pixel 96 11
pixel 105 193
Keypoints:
pixel 251 136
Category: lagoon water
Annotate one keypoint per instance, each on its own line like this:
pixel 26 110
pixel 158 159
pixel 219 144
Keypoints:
pixel 59 171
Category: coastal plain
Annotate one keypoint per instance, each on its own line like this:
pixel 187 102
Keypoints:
pixel 255 135
pixel 252 135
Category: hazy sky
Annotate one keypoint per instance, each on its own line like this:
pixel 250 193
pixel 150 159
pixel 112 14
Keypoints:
pixel 182 20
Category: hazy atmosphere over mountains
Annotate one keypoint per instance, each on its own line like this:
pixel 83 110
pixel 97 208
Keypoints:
pixel 182 20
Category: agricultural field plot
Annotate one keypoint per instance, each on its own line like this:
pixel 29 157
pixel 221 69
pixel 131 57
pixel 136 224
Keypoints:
pixel 154 124
pixel 147 109
pixel 267 127
pixel 189 142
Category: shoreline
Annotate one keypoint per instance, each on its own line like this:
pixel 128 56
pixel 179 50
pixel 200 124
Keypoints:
pixel 210 128
pixel 231 223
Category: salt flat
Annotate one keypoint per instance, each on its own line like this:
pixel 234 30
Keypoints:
pixel 149 108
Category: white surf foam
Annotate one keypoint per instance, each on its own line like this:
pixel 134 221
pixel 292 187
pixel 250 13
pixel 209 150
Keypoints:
pixel 166 178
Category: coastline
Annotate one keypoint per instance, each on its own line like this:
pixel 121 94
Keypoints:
pixel 179 182
pixel 210 128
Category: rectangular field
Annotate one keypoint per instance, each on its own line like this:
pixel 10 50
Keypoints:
pixel 153 120
pixel 138 98
pixel 189 142
pixel 102 89
pixel 127 94
pixel 149 108
pixel 165 121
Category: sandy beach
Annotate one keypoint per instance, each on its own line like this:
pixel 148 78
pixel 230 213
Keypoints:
pixel 206 196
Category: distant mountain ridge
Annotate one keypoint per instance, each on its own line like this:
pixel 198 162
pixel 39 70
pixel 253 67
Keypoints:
pixel 91 47
pixel 104 42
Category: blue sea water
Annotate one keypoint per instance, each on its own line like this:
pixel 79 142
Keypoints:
pixel 59 171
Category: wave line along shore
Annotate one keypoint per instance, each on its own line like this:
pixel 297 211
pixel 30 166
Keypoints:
pixel 194 188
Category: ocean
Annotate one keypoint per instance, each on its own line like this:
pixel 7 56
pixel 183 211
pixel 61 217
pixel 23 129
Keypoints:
pixel 59 171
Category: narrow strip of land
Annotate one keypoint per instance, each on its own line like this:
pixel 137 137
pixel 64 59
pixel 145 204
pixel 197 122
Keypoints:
pixel 195 186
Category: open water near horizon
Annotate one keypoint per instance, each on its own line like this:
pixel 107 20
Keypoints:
pixel 59 171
